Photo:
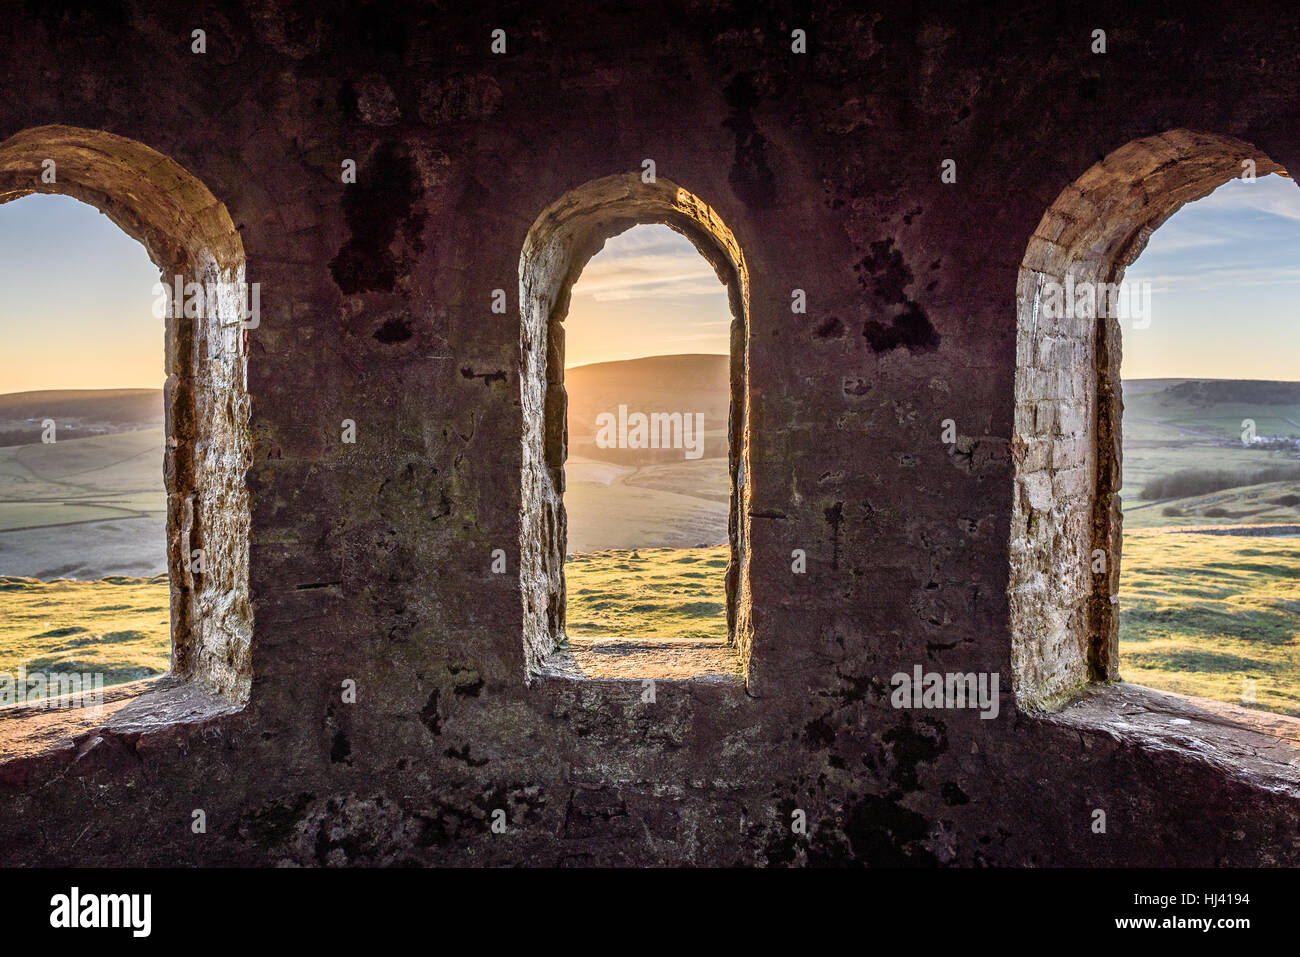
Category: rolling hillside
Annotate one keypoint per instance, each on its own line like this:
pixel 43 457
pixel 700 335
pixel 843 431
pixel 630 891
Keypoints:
pixel 1172 425
pixel 685 384
pixel 91 503
pixel 1208 602
pixel 647 498
pixel 78 413
pixel 1185 410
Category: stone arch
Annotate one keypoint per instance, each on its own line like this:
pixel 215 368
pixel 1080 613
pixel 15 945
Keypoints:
pixel 187 233
pixel 1068 406
pixel 560 243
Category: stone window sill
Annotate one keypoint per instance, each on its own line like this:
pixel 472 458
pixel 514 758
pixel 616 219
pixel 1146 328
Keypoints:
pixel 1257 747
pixel 625 659
pixel 132 709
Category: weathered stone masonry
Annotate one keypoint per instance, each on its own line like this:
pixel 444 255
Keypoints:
pixel 371 561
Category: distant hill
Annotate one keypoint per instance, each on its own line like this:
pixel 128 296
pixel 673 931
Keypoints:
pixel 1200 393
pixel 78 413
pixel 689 384
pixel 135 406
pixel 1143 386
pixel 1196 410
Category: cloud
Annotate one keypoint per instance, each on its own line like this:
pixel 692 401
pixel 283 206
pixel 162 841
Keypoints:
pixel 718 335
pixel 1176 238
pixel 1270 195
pixel 1233 246
pixel 1220 277
pixel 647 262
pixel 644 238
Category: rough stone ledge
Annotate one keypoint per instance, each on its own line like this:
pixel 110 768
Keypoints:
pixel 1255 747
pixel 622 662
pixel 170 702
pixel 130 710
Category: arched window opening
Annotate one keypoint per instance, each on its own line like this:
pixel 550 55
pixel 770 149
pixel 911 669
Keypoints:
pixel 202 309
pixel 656 584
pixel 646 485
pixel 83 512
pixel 1074 310
pixel 1211 454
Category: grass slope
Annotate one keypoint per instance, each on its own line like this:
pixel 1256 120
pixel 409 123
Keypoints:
pixel 84 508
pixel 1205 614
pixel 1214 406
pixel 648 594
pixel 1272 503
pixel 119 627
pixel 676 506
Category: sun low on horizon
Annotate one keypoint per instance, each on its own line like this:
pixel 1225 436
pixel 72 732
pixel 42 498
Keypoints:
pixel 648 292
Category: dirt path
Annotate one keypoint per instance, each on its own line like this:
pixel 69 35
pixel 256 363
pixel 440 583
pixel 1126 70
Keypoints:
pixel 126 515
pixel 128 545
pixel 1178 428
pixel 1259 531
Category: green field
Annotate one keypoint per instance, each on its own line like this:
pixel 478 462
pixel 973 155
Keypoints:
pixel 1273 503
pixel 1211 615
pixel 84 508
pixel 1174 408
pixel 648 594
pixel 1200 614
pixel 659 506
pixel 1206 615
pixel 1176 424
pixel 1144 461
pixel 82 535
pixel 118 627
pixel 77 479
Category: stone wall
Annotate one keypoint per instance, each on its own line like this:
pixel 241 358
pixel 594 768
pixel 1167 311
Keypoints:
pixel 370 562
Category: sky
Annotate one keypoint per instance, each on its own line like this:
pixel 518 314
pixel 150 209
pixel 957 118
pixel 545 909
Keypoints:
pixel 647 293
pixel 1224 273
pixel 76 298
pixel 1225 287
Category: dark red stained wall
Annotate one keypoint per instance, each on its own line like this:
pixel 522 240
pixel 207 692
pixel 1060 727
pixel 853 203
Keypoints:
pixel 371 561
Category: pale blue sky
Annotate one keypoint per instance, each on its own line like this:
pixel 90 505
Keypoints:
pixel 1225 288
pixel 76 297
